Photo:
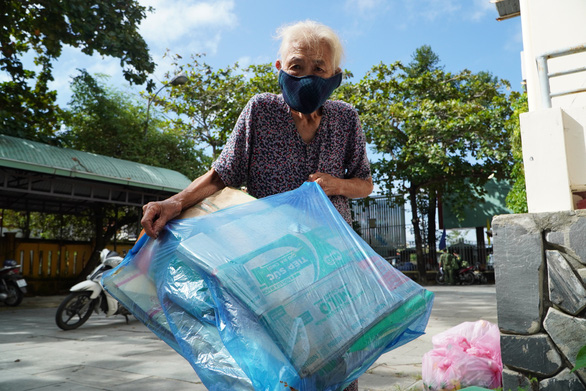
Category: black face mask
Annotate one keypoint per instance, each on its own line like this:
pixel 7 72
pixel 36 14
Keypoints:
pixel 306 94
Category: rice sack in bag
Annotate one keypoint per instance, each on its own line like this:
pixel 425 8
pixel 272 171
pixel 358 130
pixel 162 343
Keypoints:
pixel 301 301
pixel 173 301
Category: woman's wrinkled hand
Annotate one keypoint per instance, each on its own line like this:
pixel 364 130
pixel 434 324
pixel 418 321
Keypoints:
pixel 351 187
pixel 157 214
pixel 328 183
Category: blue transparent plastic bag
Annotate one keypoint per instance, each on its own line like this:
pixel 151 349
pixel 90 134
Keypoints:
pixel 278 292
pixel 155 287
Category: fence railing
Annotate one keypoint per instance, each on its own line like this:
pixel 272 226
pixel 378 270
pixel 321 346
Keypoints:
pixel 544 75
pixel 49 266
pixel 468 251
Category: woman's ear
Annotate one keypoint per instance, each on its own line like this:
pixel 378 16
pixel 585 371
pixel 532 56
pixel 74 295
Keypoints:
pixel 278 65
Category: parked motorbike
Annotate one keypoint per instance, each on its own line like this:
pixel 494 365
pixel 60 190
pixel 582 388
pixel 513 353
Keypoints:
pixel 479 277
pixel 12 285
pixel 464 276
pixel 89 296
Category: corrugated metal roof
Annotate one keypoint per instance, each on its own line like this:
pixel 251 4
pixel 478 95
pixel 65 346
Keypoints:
pixel 38 157
pixel 507 8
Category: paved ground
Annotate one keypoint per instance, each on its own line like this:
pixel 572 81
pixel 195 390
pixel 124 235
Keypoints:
pixel 108 354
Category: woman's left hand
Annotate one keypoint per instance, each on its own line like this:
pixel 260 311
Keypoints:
pixel 328 183
pixel 351 188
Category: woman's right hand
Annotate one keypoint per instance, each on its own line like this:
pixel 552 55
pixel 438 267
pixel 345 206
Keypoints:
pixel 157 214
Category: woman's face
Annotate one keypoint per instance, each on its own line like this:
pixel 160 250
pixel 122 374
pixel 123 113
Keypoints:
pixel 301 60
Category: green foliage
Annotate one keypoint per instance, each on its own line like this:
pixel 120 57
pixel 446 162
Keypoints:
pixel 580 359
pixel 48 226
pixel 108 122
pixel 261 78
pixel 38 27
pixel 208 106
pixel 436 129
pixel 101 120
pixel 517 197
pixel 455 237
pixel 423 60
pixel 438 132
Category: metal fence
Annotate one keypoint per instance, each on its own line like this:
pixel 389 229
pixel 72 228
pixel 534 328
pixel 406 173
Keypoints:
pixel 380 224
pixel 474 254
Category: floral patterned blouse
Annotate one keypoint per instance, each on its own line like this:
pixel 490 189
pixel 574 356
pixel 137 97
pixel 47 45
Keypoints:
pixel 266 153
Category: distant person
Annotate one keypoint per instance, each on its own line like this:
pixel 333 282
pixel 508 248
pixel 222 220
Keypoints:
pixel 449 264
pixel 457 256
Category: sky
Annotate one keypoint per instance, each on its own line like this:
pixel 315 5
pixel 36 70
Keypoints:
pixel 463 33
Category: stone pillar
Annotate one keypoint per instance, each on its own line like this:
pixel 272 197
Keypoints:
pixel 540 275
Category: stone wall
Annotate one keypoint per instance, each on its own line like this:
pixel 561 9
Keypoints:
pixel 540 276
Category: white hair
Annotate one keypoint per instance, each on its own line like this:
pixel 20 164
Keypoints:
pixel 312 34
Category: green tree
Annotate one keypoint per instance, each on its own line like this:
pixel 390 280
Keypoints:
pixel 437 132
pixel 28 107
pixel 109 122
pixel 425 60
pixel 456 236
pixel 206 109
pixel 48 226
pixel 517 197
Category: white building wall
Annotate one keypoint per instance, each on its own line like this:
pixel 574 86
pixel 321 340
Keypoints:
pixel 554 148
pixel 550 26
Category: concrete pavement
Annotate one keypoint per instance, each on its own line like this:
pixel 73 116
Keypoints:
pixel 108 354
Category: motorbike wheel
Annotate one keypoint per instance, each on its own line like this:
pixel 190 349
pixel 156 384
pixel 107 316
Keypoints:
pixel 440 278
pixel 468 279
pixel 75 310
pixel 15 295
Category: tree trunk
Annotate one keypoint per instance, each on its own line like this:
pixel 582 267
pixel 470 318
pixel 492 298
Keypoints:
pixel 431 238
pixel 480 246
pixel 26 232
pixel 101 237
pixel 98 216
pixel 417 233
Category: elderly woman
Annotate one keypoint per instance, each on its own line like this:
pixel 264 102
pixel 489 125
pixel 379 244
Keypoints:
pixel 281 141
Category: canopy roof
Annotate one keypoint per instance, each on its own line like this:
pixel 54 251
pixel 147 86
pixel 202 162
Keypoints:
pixel 479 214
pixel 37 176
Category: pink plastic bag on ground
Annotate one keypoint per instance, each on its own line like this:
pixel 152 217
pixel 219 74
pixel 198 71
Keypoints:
pixel 466 355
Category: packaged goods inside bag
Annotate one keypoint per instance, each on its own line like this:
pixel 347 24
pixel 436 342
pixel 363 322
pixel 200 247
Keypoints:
pixel 272 294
